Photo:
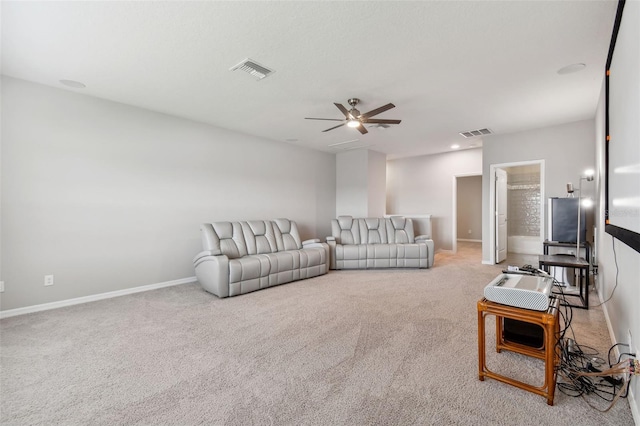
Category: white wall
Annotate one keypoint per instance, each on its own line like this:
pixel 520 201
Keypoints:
pixel 567 150
pixel 360 183
pixel 618 271
pixel 469 207
pixel 352 183
pixel 106 196
pixel 377 184
pixel 424 185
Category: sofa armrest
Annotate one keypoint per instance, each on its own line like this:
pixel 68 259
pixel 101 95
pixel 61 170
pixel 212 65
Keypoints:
pixel 331 242
pixel 426 240
pixel 312 241
pixel 212 271
pixel 206 253
pixel 314 245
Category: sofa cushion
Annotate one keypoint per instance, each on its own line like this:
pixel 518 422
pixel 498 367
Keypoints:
pixel 400 230
pixel 248 268
pixel 373 231
pixel 259 237
pixel 224 237
pixel 287 236
pixel 345 230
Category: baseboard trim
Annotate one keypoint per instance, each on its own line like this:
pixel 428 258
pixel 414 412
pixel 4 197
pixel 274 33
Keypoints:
pixel 487 262
pixel 616 351
pixel 92 298
pixel 471 241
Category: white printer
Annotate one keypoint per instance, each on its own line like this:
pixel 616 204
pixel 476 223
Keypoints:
pixel 521 291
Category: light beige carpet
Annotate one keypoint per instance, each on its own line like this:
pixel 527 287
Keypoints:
pixel 382 347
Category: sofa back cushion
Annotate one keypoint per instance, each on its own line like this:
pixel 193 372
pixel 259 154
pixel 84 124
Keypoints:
pixel 345 230
pixel 287 235
pixel 400 230
pixel 373 231
pixel 226 237
pixel 259 237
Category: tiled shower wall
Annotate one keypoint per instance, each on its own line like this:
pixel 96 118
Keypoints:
pixel 523 207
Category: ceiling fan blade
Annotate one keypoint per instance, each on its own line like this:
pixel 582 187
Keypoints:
pixel 343 110
pixel 377 110
pixel 381 121
pixel 327 119
pixel 361 129
pixel 339 125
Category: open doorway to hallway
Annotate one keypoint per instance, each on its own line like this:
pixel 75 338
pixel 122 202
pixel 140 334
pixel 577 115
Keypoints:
pixel 467 210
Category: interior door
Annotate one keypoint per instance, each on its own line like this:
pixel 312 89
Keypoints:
pixel 501 215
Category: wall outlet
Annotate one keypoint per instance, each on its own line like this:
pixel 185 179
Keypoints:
pixel 469 231
pixel 48 280
pixel 1 286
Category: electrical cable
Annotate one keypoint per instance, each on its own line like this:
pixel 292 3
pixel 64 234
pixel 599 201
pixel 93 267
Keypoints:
pixel 579 366
pixel 615 260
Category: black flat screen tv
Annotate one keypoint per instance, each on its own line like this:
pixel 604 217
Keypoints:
pixel 563 221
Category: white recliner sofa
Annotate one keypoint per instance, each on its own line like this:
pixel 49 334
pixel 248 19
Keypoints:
pixel 378 243
pixel 240 257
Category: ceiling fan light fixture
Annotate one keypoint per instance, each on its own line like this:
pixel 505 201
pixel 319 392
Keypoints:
pixel 353 123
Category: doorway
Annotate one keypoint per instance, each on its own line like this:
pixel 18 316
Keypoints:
pixel 523 230
pixel 467 209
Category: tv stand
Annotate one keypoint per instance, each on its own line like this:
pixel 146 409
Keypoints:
pixel 564 261
pixel 583 245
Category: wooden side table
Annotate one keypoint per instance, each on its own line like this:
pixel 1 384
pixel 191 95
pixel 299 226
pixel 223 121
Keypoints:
pixel 548 320
pixel 545 261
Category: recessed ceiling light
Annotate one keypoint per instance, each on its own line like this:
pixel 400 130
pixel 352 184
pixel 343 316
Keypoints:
pixel 571 68
pixel 455 146
pixel 74 84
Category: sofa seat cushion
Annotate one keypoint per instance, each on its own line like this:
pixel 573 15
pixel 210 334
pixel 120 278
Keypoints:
pixel 361 256
pixel 248 268
pixel 259 271
pixel 312 257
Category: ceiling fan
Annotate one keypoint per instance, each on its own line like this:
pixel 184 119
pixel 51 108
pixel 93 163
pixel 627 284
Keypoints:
pixel 353 117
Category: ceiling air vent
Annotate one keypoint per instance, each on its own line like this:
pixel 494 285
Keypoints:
pixel 252 67
pixel 473 133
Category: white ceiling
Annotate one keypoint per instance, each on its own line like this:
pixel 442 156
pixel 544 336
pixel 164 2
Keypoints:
pixel 448 66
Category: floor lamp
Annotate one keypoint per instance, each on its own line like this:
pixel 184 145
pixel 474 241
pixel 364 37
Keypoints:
pixel 588 177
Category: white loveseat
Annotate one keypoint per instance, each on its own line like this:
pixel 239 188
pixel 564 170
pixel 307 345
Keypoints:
pixel 240 257
pixel 378 243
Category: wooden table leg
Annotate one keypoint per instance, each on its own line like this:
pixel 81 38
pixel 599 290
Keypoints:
pixel 548 320
pixel 549 362
pixel 499 331
pixel 481 353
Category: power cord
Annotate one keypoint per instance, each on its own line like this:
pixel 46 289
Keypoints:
pixel 615 261
pixel 581 375
pixel 581 369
